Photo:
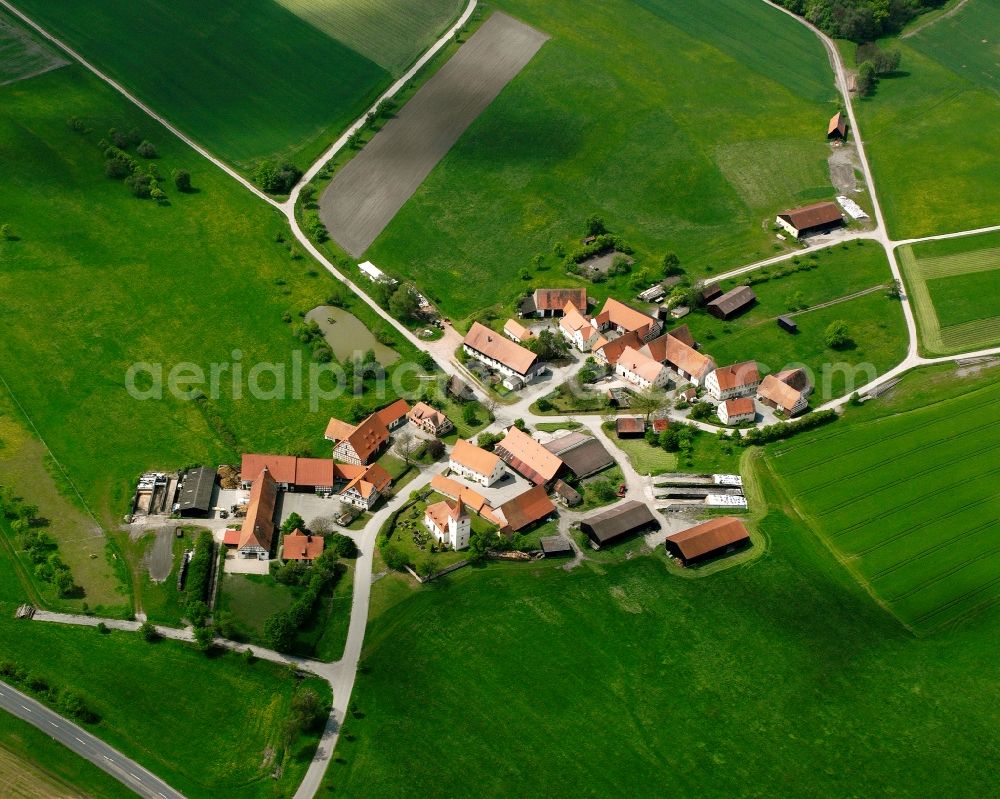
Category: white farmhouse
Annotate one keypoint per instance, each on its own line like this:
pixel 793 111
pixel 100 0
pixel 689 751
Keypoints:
pixel 729 382
pixel 449 523
pixel 475 463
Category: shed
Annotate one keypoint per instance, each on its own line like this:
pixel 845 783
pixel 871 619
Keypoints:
pixel 195 496
pixel 814 218
pixel 567 493
pixel 629 518
pixel 554 546
pixel 630 427
pixel 837 129
pixel 788 324
pixel 710 539
pixel 711 291
pixel 732 303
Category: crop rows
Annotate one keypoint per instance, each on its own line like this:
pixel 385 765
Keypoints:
pixel 961 264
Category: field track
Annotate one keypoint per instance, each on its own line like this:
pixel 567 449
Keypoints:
pixel 365 196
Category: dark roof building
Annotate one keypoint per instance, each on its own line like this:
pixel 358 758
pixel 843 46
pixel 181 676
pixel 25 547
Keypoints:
pixel 707 540
pixel 552 302
pixel 195 496
pixel 788 324
pixel 567 493
pixel 630 426
pixel 583 455
pixel 732 303
pixel 628 518
pixel 814 218
pixel 556 546
pixel 711 291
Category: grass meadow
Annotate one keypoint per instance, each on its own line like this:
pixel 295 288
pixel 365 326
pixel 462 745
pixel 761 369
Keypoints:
pixel 97 280
pixel 153 700
pixel 930 133
pixel 954 285
pixel 619 678
pixel 875 322
pixel 392 33
pixel 905 500
pixel 677 146
pixel 247 79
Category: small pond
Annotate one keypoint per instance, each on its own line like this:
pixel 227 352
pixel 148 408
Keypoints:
pixel 347 335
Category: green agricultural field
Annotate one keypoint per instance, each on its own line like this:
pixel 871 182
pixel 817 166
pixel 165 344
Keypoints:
pixel 875 322
pixel 676 146
pixel 906 501
pixel 247 79
pixel 392 33
pixel 96 281
pixel 23 55
pixel 148 709
pixel 930 134
pixel 954 285
pixel 620 678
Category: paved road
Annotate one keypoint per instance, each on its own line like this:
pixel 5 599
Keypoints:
pixel 78 740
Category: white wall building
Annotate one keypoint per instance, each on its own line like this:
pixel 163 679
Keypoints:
pixel 448 523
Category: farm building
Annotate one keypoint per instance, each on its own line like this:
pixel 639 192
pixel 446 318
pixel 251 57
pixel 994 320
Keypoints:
pixel 194 498
pixel 711 291
pixel 449 523
pixel 815 218
pixel 732 303
pixel 470 499
pixel 301 547
pixel 515 331
pixel 738 380
pixel 837 129
pixel 679 311
pixel 430 420
pixel 525 509
pixel 630 427
pixel 737 411
pixel 566 493
pixel 676 349
pixel 583 455
pixel 552 302
pixel 257 532
pixel 500 353
pixel 609 351
pixel 460 390
pixel 394 415
pixel 555 546
pixel 475 463
pixel 356 484
pixel 786 391
pixel 357 444
pixel 640 370
pixel 788 324
pixel 708 540
pixel 620 318
pixel 628 518
pixel 528 457
pixel 577 329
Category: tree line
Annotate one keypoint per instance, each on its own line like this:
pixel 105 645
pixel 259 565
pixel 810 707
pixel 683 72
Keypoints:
pixel 860 20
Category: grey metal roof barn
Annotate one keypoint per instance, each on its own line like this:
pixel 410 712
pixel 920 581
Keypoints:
pixel 583 455
pixel 554 545
pixel 625 519
pixel 195 495
pixel 732 302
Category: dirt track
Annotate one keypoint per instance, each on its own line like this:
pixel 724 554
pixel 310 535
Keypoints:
pixel 367 193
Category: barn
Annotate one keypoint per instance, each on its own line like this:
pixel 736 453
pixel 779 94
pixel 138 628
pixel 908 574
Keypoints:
pixel 710 539
pixel 194 497
pixel 732 303
pixel 629 518
pixel 815 218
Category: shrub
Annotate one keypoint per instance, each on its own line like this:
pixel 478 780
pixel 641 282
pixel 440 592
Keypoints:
pixel 149 632
pixel 146 149
pixel 182 179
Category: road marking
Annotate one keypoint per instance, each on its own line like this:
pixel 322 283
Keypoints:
pixel 137 779
pixel 53 724
pixel 26 708
pixel 81 740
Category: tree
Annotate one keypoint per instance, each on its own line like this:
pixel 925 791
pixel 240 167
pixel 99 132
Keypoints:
pixel 403 304
pixel 866 78
pixel 672 265
pixel 469 414
pixel 838 335
pixel 342 546
pixel 647 402
pixel 354 140
pixel 146 149
pixel 604 490
pixel 149 632
pixel 595 226
pixel 435 448
pixel 895 290
pixel 293 522
pixel 140 185
pixel 203 637
pixel 279 631
pixel 182 180
pixel 548 346
pixel 405 446
pixel 670 439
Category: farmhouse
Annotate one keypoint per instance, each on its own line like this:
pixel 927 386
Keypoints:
pixel 732 303
pixel 430 420
pixel 577 329
pixel 787 391
pixel 301 547
pixel 738 380
pixel 815 218
pixel 630 427
pixel 505 356
pixel 737 411
pixel 837 129
pixel 620 318
pixel 515 331
pixel 640 370
pixel 528 458
pixel 475 463
pixel 687 361
pixel 393 416
pixel 257 532
pixel 361 485
pixel 583 455
pixel 712 538
pixel 608 352
pixel 552 302
pixel 194 497
pixel 526 508
pixel 357 444
pixel 449 523
pixel 356 484
pixel 628 518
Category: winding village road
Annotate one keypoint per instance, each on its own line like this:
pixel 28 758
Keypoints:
pixel 341 674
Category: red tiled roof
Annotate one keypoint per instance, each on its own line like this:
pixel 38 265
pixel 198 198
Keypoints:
pixel 522 510
pixel 500 348
pixel 837 125
pixel 258 527
pixel 612 350
pixel 394 412
pixel 630 424
pixel 809 216
pixel 740 406
pixel 527 457
pixel 366 438
pixel 780 393
pixel 709 536
pixel 640 364
pixel 556 299
pixel 737 375
pixel 621 315
pixel 474 458
pixel 299 546
pixel 281 467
